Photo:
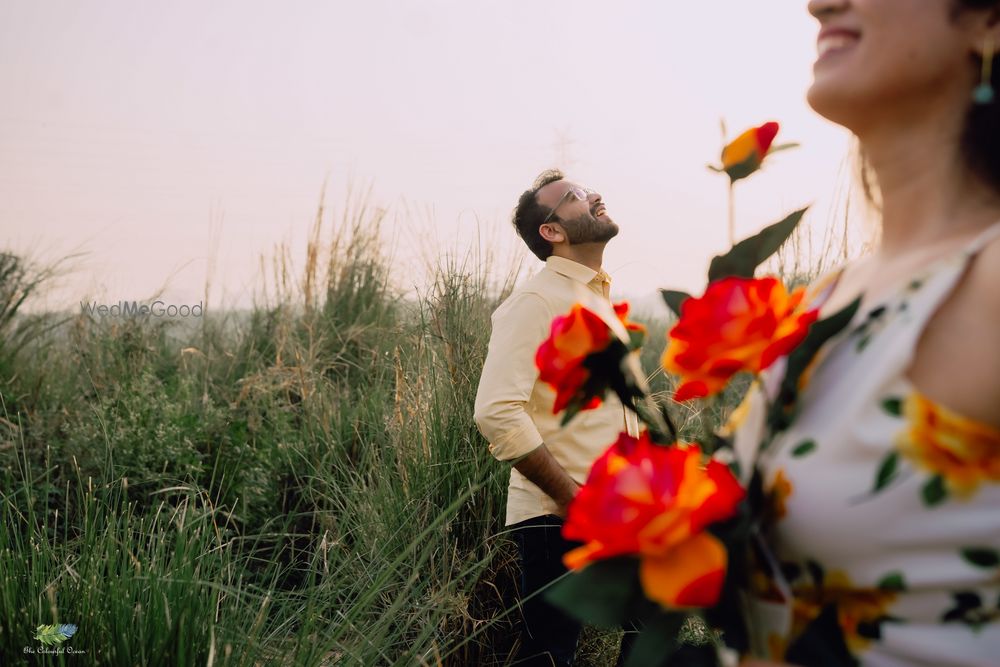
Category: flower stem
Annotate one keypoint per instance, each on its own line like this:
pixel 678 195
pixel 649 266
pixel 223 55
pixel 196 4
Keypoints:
pixel 649 413
pixel 732 214
pixel 706 421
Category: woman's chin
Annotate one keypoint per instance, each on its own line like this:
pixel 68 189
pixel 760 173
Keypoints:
pixel 834 103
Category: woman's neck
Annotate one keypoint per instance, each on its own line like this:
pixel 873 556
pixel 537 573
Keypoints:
pixel 929 197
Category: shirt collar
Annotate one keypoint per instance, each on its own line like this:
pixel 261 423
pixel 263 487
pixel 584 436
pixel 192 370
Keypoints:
pixel 575 270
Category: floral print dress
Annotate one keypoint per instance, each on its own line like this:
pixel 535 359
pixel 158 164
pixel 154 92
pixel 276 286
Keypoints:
pixel 884 505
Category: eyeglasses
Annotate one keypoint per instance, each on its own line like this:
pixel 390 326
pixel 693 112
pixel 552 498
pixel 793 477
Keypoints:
pixel 579 194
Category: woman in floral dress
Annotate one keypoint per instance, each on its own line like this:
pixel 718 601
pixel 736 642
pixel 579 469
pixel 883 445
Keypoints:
pixel 885 489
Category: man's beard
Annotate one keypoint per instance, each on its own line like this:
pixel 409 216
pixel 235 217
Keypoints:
pixel 588 229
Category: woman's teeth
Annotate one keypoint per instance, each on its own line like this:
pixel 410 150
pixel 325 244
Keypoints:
pixel 833 43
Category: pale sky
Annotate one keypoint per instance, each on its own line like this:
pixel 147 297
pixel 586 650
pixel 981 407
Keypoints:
pixel 155 136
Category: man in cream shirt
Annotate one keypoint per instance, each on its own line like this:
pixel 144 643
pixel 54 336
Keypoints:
pixel 566 226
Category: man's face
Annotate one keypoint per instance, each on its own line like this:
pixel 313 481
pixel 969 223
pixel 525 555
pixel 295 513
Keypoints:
pixel 584 220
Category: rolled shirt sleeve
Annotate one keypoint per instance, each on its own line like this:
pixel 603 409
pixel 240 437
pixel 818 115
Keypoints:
pixel 509 375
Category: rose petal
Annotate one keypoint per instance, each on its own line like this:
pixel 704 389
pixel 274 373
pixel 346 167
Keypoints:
pixel 689 575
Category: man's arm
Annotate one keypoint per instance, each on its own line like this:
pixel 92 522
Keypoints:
pixel 542 469
pixel 508 378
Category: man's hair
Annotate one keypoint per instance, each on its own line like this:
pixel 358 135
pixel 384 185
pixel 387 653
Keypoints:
pixel 529 215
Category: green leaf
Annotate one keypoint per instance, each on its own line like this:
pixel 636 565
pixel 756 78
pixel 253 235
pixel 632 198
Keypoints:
pixel 735 534
pixel 605 593
pixel 934 492
pixel 744 257
pixel 782 147
pixel 886 472
pixel 674 299
pixel 743 169
pixel 894 581
pixel 982 556
pixel 572 410
pixel 636 337
pixel 657 642
pixel 804 448
pixel 894 406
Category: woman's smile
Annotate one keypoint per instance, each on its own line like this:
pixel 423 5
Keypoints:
pixel 833 42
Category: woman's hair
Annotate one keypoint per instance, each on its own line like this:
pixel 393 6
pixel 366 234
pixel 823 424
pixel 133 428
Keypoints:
pixel 981 137
pixel 980 141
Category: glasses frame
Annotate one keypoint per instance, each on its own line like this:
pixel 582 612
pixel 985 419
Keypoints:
pixel 581 194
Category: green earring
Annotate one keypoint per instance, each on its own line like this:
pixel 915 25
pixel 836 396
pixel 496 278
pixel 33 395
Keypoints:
pixel 984 93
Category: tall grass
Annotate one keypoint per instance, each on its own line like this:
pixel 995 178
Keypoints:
pixel 300 484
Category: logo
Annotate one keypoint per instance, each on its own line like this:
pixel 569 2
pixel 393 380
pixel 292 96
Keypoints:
pixel 51 635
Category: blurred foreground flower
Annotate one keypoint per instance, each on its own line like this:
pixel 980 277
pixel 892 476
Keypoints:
pixel 584 356
pixel 656 502
pixel 636 331
pixel 739 324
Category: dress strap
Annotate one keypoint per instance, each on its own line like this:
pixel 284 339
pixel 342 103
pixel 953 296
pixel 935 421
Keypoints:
pixel 930 288
pixel 923 297
pixel 983 239
pixel 943 282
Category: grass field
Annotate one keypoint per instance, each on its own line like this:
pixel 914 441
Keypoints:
pixel 301 484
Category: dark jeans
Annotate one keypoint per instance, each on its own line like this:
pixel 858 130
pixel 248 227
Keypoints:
pixel 549 636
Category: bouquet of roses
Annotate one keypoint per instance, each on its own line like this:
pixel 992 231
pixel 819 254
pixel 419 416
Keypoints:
pixel 667 529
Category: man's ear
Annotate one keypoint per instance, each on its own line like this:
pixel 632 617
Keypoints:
pixel 552 232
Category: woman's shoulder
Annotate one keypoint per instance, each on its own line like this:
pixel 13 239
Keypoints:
pixel 984 280
pixel 978 298
pixel 958 361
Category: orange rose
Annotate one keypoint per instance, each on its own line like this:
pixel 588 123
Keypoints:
pixel 656 502
pixel 745 154
pixel 567 359
pixel 960 450
pixel 739 324
pixel 633 328
pixel 574 336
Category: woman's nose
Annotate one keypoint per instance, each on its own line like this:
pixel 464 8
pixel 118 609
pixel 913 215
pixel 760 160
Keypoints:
pixel 824 8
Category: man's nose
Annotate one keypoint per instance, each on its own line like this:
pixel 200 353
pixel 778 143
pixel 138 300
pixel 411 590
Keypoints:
pixel 594 197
